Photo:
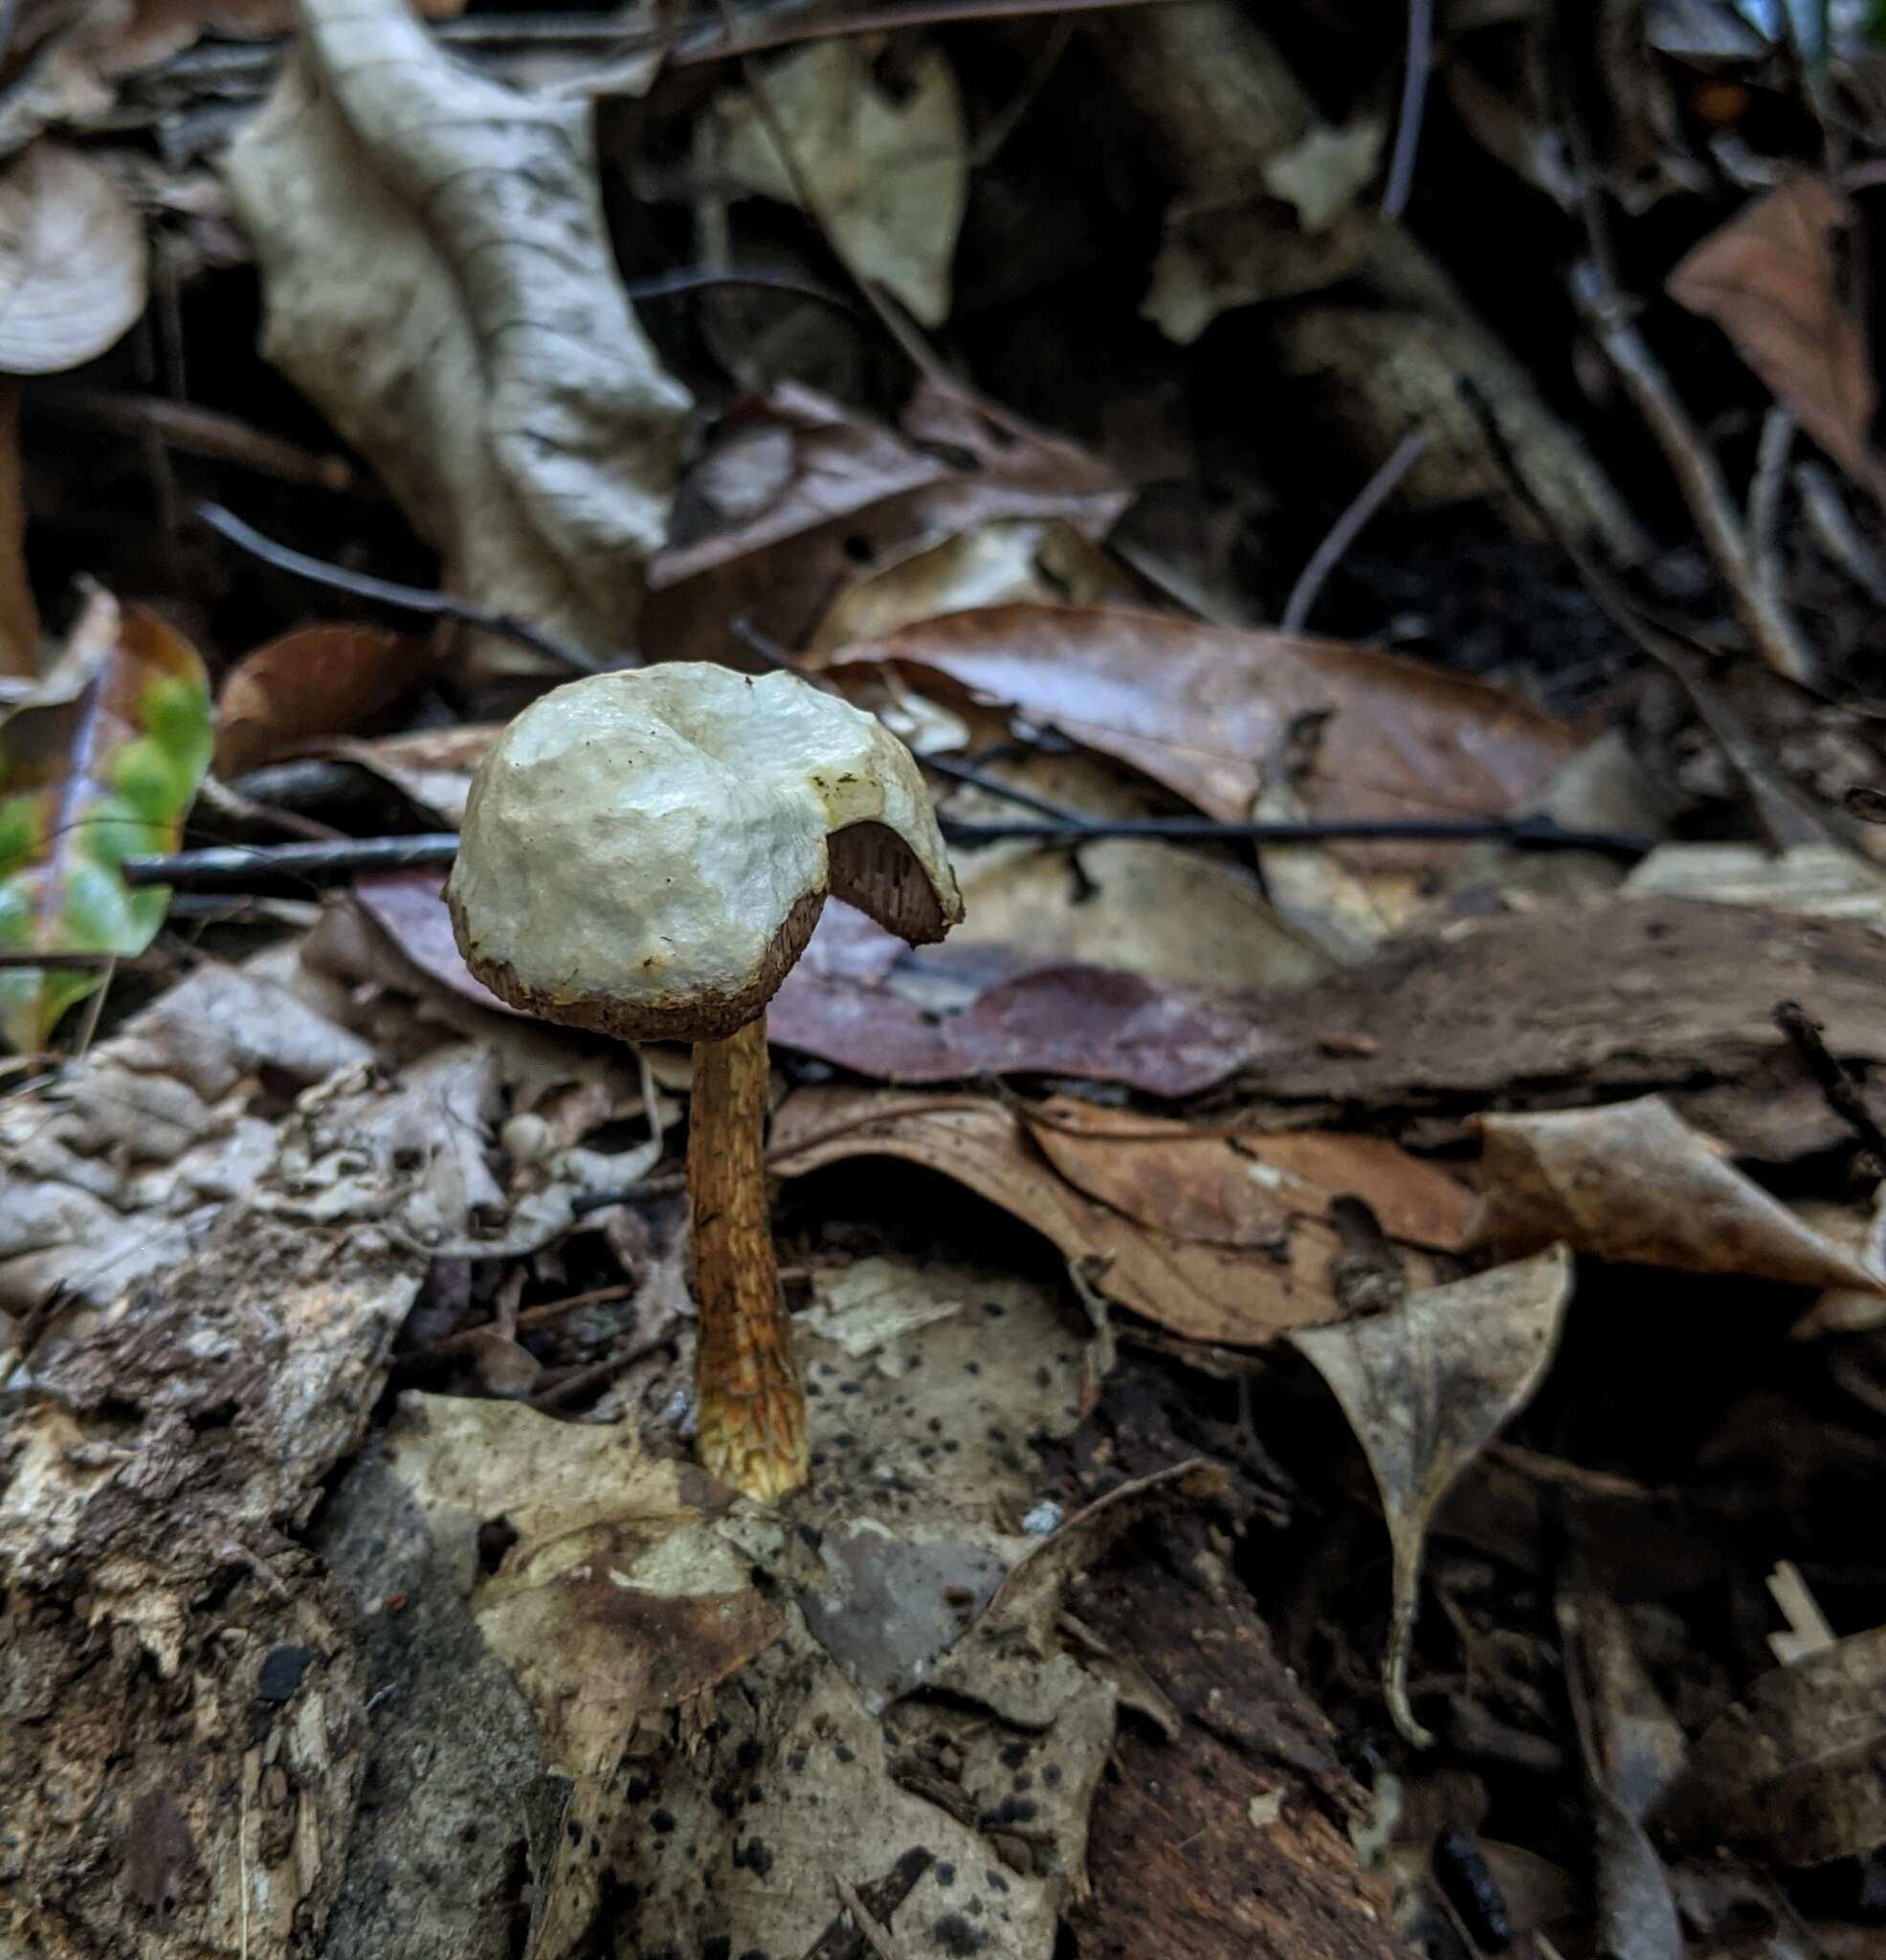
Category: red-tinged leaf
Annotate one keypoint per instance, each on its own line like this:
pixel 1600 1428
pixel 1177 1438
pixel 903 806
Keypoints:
pixel 409 906
pixel 1203 709
pixel 320 682
pixel 1768 280
pixel 104 767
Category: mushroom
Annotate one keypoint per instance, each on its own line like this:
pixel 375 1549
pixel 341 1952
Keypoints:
pixel 646 854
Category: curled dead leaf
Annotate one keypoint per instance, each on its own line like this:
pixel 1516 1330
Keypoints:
pixel 1633 1183
pixel 71 261
pixel 1274 1272
pixel 438 278
pixel 1426 1386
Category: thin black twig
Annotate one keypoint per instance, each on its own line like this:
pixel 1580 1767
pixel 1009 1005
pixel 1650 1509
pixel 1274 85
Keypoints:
pixel 1415 69
pixel 385 591
pixel 240 867
pixel 668 285
pixel 228 868
pixel 1347 527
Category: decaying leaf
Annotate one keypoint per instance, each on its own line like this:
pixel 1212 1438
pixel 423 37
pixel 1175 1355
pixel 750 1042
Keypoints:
pixel 1768 280
pixel 105 764
pixel 1809 881
pixel 1516 1005
pixel 431 767
pixel 1426 1386
pixel 409 906
pixel 614 1596
pixel 887 168
pixel 1633 1183
pixel 1256 1267
pixel 1009 560
pixel 1203 709
pixel 799 496
pixel 320 681
pixel 116 1168
pixel 71 261
pixel 438 278
pixel 1231 1186
pixel 1791 1774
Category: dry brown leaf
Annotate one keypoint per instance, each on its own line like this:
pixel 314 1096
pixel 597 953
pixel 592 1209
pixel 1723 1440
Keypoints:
pixel 71 261
pixel 1633 1183
pixel 1768 280
pixel 1426 1386
pixel 1203 709
pixel 801 495
pixel 19 615
pixel 1233 1188
pixel 1791 1774
pixel 1201 1290
pixel 438 278
pixel 320 681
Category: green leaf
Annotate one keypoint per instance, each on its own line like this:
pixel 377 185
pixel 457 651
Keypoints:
pixel 102 766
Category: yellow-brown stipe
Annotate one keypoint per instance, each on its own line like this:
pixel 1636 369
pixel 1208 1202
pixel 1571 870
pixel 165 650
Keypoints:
pixel 753 1407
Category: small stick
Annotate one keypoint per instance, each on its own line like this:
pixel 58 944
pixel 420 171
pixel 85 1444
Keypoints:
pixel 1415 67
pixel 226 867
pixel 1347 527
pixel 1832 1077
pixel 236 867
pixel 462 1342
pixel 1770 628
pixel 387 593
pixel 201 432
pixel 1764 494
pixel 1836 533
pixel 876 1937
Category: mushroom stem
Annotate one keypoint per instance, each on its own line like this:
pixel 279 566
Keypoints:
pixel 752 1406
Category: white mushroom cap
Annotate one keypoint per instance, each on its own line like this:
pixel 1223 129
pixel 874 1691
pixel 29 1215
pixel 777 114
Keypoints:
pixel 647 853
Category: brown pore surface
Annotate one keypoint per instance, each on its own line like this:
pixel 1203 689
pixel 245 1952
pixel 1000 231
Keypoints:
pixel 752 1406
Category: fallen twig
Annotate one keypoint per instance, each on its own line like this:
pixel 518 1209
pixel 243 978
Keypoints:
pixel 1347 527
pixel 385 592
pixel 1832 1077
pixel 1415 68
pixel 201 432
pixel 1770 628
pixel 233 867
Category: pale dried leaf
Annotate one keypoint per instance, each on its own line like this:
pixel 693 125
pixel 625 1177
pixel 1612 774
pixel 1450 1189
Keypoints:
pixel 889 173
pixel 1808 881
pixel 1633 1183
pixel 438 278
pixel 1426 1386
pixel 71 261
pixel 1790 1774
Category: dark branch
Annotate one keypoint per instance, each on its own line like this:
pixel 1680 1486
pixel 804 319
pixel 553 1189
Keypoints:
pixel 385 592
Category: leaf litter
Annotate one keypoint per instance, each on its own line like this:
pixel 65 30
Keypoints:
pixel 363 1593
